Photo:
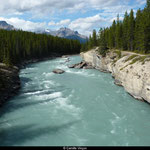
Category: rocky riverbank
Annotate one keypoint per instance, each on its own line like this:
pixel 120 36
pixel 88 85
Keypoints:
pixel 9 82
pixel 130 70
pixel 9 76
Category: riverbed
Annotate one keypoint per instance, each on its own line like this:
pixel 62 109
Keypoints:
pixel 77 108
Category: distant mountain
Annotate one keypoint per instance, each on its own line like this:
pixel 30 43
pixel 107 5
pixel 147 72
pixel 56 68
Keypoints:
pixel 62 32
pixel 6 26
pixel 65 33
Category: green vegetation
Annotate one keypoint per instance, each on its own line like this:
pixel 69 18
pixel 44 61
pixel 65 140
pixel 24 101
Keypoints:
pixel 119 55
pixel 131 34
pixel 131 57
pixel 136 58
pixel 140 59
pixel 19 46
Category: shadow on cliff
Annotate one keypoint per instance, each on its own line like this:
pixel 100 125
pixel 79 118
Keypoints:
pixel 18 135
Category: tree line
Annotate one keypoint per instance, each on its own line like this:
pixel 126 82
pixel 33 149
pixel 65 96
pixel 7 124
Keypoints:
pixel 131 34
pixel 19 46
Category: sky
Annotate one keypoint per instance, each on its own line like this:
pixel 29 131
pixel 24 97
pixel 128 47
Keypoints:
pixel 79 15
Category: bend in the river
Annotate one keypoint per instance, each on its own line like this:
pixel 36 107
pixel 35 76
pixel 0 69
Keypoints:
pixel 79 107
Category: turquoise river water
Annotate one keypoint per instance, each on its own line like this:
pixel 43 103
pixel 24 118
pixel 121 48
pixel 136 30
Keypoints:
pixel 77 108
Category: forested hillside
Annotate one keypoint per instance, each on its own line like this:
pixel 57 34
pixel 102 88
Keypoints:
pixel 132 33
pixel 17 46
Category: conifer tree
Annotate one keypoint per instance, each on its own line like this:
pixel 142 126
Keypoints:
pixel 131 30
pixel 118 33
pixel 94 40
pixel 125 31
pixel 19 46
pixel 102 42
pixel 139 32
pixel 147 26
pixel 90 42
pixel 114 33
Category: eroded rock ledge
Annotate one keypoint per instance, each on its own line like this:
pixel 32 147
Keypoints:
pixel 130 70
pixel 10 82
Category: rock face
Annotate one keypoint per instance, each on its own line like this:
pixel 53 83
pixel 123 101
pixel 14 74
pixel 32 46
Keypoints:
pixel 58 71
pixel 134 77
pixel 9 82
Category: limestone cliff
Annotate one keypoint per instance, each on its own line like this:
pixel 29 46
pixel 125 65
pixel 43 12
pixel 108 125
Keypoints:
pixel 130 70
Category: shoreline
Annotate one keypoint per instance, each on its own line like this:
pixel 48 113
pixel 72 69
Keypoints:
pixel 14 84
pixel 133 75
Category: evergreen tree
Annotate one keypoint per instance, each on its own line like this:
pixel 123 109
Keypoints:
pixel 146 13
pixel 110 38
pixel 19 46
pixel 102 42
pixel 90 42
pixel 148 4
pixel 131 31
pixel 139 32
pixel 125 31
pixel 118 33
pixel 114 33
pixel 94 40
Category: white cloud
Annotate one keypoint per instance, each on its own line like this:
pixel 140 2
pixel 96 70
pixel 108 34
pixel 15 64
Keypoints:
pixel 23 24
pixel 103 3
pixel 86 25
pixel 82 25
pixel 141 2
pixel 51 23
pixel 48 8
pixel 37 7
pixel 61 23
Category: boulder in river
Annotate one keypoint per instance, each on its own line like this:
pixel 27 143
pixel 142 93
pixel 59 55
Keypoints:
pixel 58 71
pixel 81 65
pixel 72 66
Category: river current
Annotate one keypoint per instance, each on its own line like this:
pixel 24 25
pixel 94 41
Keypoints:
pixel 77 108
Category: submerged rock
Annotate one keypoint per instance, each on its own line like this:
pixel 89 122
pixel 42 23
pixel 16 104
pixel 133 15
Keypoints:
pixel 58 71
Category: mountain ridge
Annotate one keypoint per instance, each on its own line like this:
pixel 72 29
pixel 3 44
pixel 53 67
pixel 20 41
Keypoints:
pixel 4 25
pixel 63 32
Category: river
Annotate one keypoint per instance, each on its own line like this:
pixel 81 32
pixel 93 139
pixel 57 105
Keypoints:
pixel 77 108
